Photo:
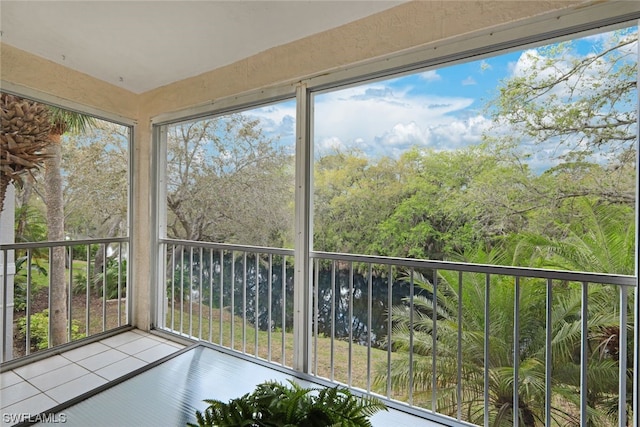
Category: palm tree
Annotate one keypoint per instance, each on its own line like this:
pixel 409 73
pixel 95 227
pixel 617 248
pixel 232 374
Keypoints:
pixel 62 121
pixel 31 136
pixel 531 347
pixel 23 140
pixel 603 241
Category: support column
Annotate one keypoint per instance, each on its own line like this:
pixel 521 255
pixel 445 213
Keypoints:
pixel 303 283
pixel 141 229
pixel 7 273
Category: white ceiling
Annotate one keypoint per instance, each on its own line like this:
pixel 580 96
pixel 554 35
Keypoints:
pixel 141 45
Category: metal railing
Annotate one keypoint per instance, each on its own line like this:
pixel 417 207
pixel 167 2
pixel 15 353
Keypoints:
pixel 471 342
pixel 87 292
pixel 461 343
pixel 236 296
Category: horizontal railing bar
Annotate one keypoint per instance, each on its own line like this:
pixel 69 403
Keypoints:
pixel 610 279
pixel 600 278
pixel 33 245
pixel 230 247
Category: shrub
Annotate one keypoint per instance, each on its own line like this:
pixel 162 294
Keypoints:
pixel 39 329
pixel 273 404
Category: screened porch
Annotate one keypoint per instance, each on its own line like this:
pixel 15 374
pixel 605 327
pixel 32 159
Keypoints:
pixel 434 204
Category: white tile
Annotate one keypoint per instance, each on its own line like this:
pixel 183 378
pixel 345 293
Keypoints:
pixel 33 405
pixel 17 392
pixel 141 332
pixel 59 376
pixel 75 388
pixel 149 335
pixel 120 339
pixel 176 344
pixel 167 341
pixel 85 351
pixel 101 360
pixel 42 366
pixel 141 344
pixel 157 352
pixel 118 369
pixel 9 378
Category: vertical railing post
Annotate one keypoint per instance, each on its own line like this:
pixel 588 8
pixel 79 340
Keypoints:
pixel 459 350
pixel 70 297
pixel 516 353
pixel 350 320
pixel 434 343
pixel 487 334
pixel 584 354
pixel 548 358
pixel 27 314
pixel 622 360
pixel 87 285
pixel 389 328
pixel 5 309
pixel 334 293
pixel 636 353
pixel 411 329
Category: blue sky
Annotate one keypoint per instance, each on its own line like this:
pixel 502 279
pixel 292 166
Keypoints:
pixel 440 109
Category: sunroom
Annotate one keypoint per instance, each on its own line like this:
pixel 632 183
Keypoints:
pixel 433 203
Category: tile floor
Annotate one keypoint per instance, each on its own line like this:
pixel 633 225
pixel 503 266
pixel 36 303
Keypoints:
pixel 41 385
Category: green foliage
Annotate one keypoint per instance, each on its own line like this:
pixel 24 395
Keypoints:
pixel 273 404
pixel 602 238
pixel 115 274
pixel 39 329
pixel 415 206
pixel 417 328
pixel 30 225
pixel 20 281
pixel 252 175
pixel 562 95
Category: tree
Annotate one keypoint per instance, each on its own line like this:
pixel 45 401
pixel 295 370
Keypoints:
pixel 23 141
pixel 228 182
pixel 96 173
pixel 433 218
pixel 602 240
pixel 566 336
pixel 352 195
pixel 62 121
pixel 416 206
pixel 581 107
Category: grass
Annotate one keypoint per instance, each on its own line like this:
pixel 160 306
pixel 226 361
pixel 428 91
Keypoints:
pixel 353 365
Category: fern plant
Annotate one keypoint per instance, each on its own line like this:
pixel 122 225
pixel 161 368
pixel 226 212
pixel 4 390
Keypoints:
pixel 273 404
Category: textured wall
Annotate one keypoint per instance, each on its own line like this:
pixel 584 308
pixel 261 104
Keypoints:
pixel 400 28
pixel 33 72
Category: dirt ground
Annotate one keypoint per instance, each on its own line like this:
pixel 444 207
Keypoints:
pixel 40 302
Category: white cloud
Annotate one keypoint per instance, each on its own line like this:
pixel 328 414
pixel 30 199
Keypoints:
pixel 534 64
pixel 485 66
pixel 430 76
pixel 380 117
pixel 458 133
pixel 404 134
pixel 469 81
pixel 276 119
pixel 328 145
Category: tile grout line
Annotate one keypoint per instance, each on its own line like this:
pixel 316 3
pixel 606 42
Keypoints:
pixel 133 356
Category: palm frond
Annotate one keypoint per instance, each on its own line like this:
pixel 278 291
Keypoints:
pixel 64 121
